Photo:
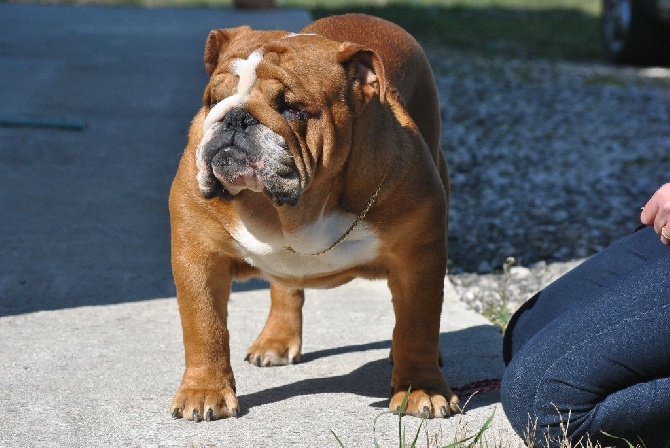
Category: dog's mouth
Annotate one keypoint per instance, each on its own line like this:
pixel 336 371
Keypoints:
pixel 234 156
pixel 236 172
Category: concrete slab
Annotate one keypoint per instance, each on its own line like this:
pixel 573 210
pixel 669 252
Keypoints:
pixel 105 376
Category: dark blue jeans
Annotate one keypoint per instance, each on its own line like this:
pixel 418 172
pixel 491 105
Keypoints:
pixel 591 352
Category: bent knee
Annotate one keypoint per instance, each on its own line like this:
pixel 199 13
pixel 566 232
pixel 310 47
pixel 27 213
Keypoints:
pixel 541 407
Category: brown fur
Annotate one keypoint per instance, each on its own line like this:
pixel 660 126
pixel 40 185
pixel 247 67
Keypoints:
pixel 382 125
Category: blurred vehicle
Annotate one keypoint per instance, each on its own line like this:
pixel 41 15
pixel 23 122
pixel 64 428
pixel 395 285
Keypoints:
pixel 636 32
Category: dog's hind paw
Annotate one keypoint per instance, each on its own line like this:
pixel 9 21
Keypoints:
pixel 273 351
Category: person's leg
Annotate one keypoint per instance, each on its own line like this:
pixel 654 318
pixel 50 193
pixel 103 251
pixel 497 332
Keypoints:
pixel 601 271
pixel 603 363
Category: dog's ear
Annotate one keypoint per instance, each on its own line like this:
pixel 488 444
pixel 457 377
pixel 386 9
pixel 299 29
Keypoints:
pixel 365 72
pixel 217 41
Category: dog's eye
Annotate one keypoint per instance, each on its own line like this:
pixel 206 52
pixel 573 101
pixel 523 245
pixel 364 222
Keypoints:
pixel 291 112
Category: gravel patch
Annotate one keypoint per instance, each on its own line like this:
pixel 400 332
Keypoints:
pixel 550 162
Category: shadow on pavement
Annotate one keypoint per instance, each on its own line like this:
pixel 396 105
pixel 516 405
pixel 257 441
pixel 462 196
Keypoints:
pixel 373 379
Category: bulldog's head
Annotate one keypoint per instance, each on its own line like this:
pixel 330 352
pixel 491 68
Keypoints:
pixel 278 110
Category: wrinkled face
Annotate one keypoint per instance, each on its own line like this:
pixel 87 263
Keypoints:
pixel 268 112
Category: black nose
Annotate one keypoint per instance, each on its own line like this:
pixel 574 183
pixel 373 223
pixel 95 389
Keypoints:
pixel 238 118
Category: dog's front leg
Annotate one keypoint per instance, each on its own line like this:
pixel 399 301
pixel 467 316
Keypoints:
pixel 203 280
pixel 417 288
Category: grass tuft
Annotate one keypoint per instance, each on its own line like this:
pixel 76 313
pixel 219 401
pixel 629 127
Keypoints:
pixel 471 441
pixel 478 439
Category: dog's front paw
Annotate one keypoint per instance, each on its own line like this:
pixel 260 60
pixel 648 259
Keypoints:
pixel 274 351
pixel 205 404
pixel 426 403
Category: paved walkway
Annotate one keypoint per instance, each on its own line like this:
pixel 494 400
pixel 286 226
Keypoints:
pixel 96 105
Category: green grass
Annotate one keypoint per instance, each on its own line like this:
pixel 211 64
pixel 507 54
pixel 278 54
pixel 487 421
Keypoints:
pixel 498 313
pixel 592 6
pixel 557 30
pixel 471 441
pixel 478 439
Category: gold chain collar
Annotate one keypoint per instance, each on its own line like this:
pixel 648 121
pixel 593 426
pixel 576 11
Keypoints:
pixel 351 228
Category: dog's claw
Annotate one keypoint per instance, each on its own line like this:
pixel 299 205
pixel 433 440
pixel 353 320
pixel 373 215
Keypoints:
pixel 209 415
pixel 196 416
pixel 248 357
pixel 444 412
pixel 257 361
pixel 426 412
pixel 176 413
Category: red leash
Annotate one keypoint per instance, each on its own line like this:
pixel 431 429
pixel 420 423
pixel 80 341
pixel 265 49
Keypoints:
pixel 477 387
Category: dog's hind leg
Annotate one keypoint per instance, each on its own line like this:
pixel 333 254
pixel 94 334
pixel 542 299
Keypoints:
pixel 280 341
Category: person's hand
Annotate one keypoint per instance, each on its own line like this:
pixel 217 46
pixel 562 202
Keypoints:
pixel 657 213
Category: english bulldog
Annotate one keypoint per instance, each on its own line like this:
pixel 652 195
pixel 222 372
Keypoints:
pixel 315 159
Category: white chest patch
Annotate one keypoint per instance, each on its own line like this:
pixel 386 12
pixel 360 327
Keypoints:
pixel 271 256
